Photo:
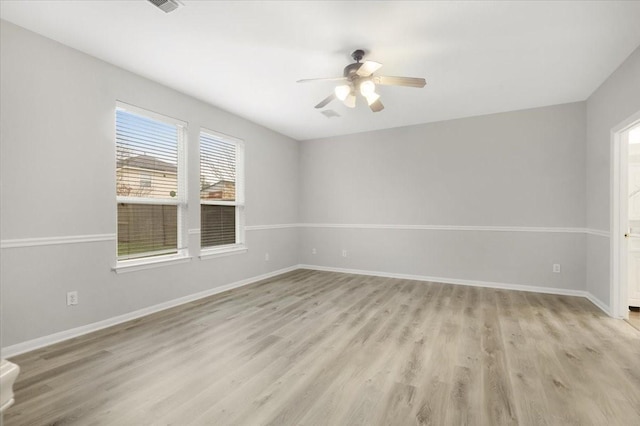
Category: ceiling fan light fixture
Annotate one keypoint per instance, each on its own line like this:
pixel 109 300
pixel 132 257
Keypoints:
pixel 342 91
pixel 371 98
pixel 367 88
pixel 359 77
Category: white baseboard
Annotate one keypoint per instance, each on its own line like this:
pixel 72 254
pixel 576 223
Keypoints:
pixel 474 283
pixel 40 342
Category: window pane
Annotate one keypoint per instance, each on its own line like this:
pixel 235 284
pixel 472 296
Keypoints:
pixel 218 225
pixel 146 230
pixel 217 169
pixel 146 157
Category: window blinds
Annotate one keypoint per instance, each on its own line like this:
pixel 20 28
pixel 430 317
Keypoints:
pixel 147 178
pixel 218 191
pixel 217 169
pixel 146 157
pixel 218 225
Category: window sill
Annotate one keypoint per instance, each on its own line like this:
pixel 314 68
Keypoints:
pixel 223 251
pixel 141 264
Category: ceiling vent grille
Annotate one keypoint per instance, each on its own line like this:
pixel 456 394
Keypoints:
pixel 166 5
pixel 329 113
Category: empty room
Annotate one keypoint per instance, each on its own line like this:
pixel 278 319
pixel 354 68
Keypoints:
pixel 319 212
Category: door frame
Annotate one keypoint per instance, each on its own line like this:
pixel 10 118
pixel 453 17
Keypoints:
pixel 619 216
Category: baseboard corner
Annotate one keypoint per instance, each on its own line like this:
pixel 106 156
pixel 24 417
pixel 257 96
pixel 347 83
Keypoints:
pixel 599 303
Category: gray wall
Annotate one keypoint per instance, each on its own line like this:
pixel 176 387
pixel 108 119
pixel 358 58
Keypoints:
pixel 614 101
pixel 516 169
pixel 513 190
pixel 58 179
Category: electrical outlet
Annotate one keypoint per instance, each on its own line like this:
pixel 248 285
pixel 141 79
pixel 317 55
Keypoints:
pixel 344 252
pixel 556 268
pixel 72 298
pixel 266 257
pixel 314 251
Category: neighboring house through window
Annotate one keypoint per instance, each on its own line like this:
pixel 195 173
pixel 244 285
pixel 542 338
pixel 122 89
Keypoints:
pixel 149 184
pixel 221 192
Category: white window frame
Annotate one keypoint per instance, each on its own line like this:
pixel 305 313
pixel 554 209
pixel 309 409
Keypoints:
pixel 239 246
pixel 180 200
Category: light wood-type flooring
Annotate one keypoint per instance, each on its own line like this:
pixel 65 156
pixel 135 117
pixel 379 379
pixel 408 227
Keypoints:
pixel 322 348
pixel 634 319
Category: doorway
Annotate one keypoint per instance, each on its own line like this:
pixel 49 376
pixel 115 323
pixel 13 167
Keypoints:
pixel 633 235
pixel 625 229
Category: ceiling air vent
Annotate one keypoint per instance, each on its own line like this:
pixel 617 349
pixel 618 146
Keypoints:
pixel 166 5
pixel 329 113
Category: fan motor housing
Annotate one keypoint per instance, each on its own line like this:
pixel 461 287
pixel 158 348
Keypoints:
pixel 351 69
pixel 357 55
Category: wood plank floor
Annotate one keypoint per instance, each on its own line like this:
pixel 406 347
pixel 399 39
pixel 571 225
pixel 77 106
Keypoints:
pixel 322 348
pixel 634 319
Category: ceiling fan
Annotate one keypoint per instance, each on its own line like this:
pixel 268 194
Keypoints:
pixel 358 77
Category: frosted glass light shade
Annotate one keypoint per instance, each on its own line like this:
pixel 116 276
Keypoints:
pixel 342 92
pixel 350 101
pixel 367 88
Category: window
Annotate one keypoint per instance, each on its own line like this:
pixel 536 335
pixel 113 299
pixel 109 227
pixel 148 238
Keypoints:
pixel 149 185
pixel 221 192
pixel 145 180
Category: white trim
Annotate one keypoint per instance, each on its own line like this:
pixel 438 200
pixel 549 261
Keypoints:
pixel 209 253
pixel 45 241
pixel 149 201
pixel 40 342
pixel 598 232
pixel 472 283
pixel 618 218
pixel 277 226
pixel 447 227
pixel 49 241
pixel 133 265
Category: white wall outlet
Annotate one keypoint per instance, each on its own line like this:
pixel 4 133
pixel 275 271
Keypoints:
pixel 314 251
pixel 72 298
pixel 344 252
pixel 266 257
pixel 556 268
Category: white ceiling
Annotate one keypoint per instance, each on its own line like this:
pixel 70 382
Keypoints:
pixel 245 57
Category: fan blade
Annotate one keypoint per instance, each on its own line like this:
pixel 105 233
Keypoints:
pixel 368 68
pixel 399 81
pixel 326 100
pixel 309 80
pixel 350 101
pixel 376 106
